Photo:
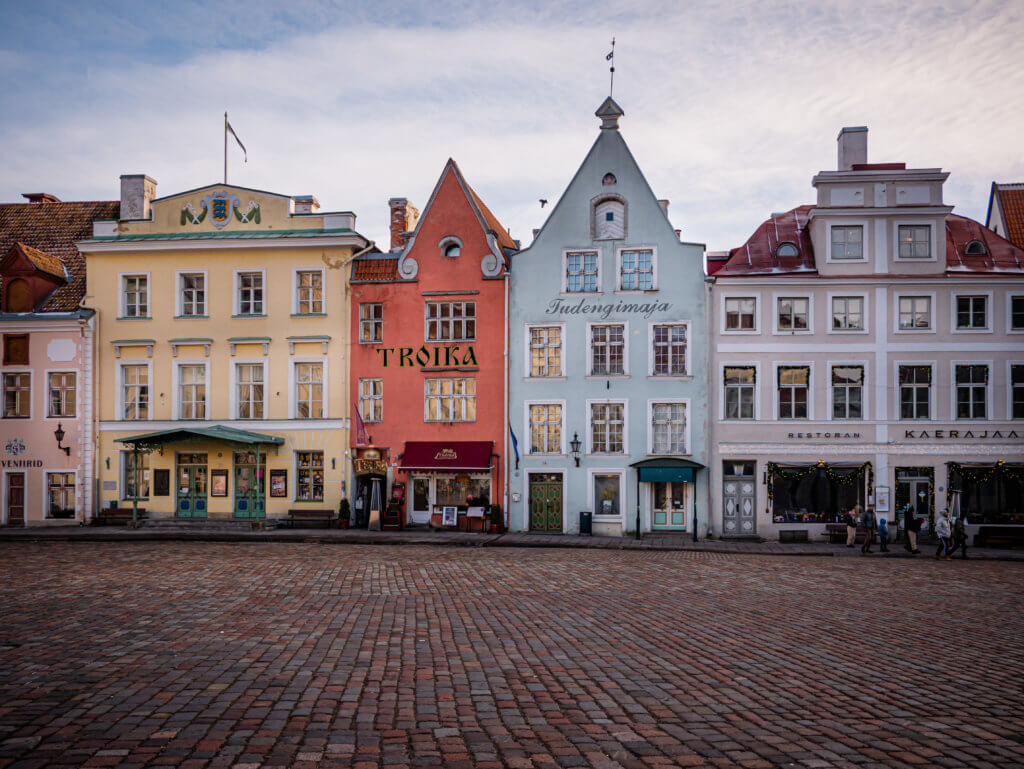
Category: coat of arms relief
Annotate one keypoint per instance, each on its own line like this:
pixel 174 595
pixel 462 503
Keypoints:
pixel 220 206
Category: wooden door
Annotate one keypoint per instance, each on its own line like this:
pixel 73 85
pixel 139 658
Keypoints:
pixel 250 501
pixel 739 511
pixel 192 476
pixel 669 509
pixel 16 499
pixel 545 502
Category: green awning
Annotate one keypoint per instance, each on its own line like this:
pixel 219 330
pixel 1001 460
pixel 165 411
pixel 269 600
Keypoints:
pixel 217 433
pixel 667 470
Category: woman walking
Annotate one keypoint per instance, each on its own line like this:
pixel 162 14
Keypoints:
pixel 867 520
pixel 912 525
pixel 851 525
pixel 959 536
pixel 942 529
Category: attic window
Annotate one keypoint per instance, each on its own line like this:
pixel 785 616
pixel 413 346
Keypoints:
pixel 450 246
pixel 786 249
pixel 452 249
pixel 609 179
pixel 609 222
pixel 976 248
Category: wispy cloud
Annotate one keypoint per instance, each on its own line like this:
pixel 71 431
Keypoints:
pixel 730 108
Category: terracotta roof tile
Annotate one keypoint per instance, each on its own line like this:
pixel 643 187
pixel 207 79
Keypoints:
pixel 759 254
pixel 504 239
pixel 375 268
pixel 52 229
pixel 1000 254
pixel 44 262
pixel 1011 203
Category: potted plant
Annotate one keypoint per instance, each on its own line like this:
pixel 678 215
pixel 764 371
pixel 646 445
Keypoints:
pixel 343 514
pixel 497 519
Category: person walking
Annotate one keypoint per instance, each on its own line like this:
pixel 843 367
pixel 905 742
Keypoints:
pixel 959 536
pixel 867 520
pixel 943 531
pixel 851 525
pixel 912 525
pixel 883 535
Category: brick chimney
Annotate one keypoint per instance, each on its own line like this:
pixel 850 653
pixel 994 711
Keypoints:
pixel 137 193
pixel 40 197
pixel 404 216
pixel 305 204
pixel 853 147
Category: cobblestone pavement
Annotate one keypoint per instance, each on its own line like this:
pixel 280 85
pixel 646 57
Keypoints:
pixel 304 655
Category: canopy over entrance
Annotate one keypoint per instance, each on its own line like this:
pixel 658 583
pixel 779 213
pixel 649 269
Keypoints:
pixel 216 433
pixel 667 469
pixel 468 456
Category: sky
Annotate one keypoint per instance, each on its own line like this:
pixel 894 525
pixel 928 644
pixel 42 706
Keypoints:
pixel 731 107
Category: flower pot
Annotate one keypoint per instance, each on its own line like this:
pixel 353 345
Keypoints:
pixel 495 528
pixel 343 523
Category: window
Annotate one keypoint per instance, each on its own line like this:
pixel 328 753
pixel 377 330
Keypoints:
pixel 915 313
pixel 546 351
pixel 193 294
pixel 371 399
pixel 668 428
pixel 18 296
pixel 371 322
pixel 609 220
pixel 793 313
pixel 975 248
pixel 971 391
pixel 786 250
pixel 61 394
pixel 1017 312
pixel 581 271
pixel 451 321
pixel 607 350
pixel 309 476
pixel 607 493
pixel 847 313
pixel 1017 391
pixel 739 382
pixel 848 242
pixel 972 312
pixel 637 270
pixel 249 395
pixel 309 290
pixel 192 392
pixel 128 475
pixel 17 395
pixel 450 400
pixel 609 179
pixel 915 241
pixel 135 392
pixel 60 495
pixel 847 392
pixel 793 384
pixel 669 351
pixel 309 390
pixel 546 428
pixel 915 392
pixel 250 293
pixel 135 296
pixel 15 349
pixel 452 250
pixel 739 313
pixel 607 421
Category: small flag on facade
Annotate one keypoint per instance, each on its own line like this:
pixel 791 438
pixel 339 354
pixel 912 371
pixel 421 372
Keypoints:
pixel 362 439
pixel 515 443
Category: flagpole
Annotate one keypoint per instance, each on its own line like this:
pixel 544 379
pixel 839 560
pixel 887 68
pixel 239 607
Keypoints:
pixel 225 147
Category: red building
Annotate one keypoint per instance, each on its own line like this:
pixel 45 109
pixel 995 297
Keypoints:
pixel 428 361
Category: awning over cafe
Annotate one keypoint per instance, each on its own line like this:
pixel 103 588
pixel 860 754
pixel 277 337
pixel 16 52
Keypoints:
pixel 466 456
pixel 214 433
pixel 667 469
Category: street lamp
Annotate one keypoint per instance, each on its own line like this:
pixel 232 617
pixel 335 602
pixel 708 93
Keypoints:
pixel 575 445
pixel 59 435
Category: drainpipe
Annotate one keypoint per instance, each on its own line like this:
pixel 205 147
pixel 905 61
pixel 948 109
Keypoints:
pixel 637 535
pixel 135 494
pixel 505 426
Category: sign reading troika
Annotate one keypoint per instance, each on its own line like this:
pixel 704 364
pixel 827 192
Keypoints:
pixel 452 356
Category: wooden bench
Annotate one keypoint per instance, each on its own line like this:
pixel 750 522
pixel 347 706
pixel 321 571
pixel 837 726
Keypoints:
pixel 837 533
pixel 309 518
pixel 1011 535
pixel 117 516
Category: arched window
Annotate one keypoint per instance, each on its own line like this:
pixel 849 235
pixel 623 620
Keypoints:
pixel 609 219
pixel 19 296
pixel 452 249
pixel 976 248
pixel 609 179
pixel 450 246
pixel 786 249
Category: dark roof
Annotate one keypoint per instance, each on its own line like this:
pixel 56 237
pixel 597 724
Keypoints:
pixel 375 268
pixel 1000 254
pixel 53 228
pixel 758 255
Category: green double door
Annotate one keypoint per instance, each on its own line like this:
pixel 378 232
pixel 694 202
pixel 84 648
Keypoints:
pixel 545 502
pixel 191 472
pixel 250 496
pixel 668 512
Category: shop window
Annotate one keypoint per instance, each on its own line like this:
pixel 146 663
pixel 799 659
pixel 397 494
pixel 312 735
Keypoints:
pixel 60 495
pixel 449 400
pixel 793 385
pixel 134 392
pixel 545 351
pixel 915 392
pixel 451 321
pixel 309 292
pixel 128 475
pixel 462 491
pixel 607 423
pixel 794 314
pixel 250 293
pixel 607 494
pixel 847 392
pixel 848 242
pixel 669 350
pixel 371 322
pixel 739 383
pixel 988 494
pixel 739 313
pixel 581 272
pixel 249 395
pixel 971 392
pixel 309 476
pixel 818 493
pixel 18 395
pixel 309 390
pixel 62 394
pixel 847 313
pixel 1017 391
pixel 668 428
pixel 545 428
pixel 371 400
pixel 15 349
pixel 636 271
pixel 607 350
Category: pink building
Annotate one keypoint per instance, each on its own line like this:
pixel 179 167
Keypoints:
pixel 46 422
pixel 868 348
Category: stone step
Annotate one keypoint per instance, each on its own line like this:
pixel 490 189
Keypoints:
pixel 203 524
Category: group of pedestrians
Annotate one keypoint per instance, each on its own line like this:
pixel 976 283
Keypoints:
pixel 952 536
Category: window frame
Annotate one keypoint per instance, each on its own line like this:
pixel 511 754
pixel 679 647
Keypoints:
pixel 589 447
pixel 651 403
pixel 933 406
pixel 123 468
pixel 863 296
pixel 179 294
pixel 323 472
pixel 451 319
pixel 590 349
pixel 933 245
pixel 373 398
pixel 846 225
pixel 47 472
pixel 865 389
pixel 776 365
pixel 176 402
pixel 778 297
pixel 592 472
pixel 955 296
pixel 954 394
pixel 296 271
pixel 293 386
pixel 528 428
pixel 619 250
pixel 236 279
pixel 528 350
pixel 150 405
pixel 235 401
pixel 6 339
pixel 565 268
pixel 596 201
pixel 651 352
pixel 930 295
pixel 722 366
pixel 463 396
pixel 122 304
pixel 372 321
pixel 1009 389
pixel 11 371
pixel 756 296
pixel 77 400
pixel 1009 312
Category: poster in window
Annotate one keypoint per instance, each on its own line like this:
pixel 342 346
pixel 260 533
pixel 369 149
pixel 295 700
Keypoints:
pixel 219 483
pixel 882 499
pixel 161 482
pixel 279 483
pixel 450 515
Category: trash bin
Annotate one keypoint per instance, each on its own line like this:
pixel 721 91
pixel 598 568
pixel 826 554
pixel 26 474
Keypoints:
pixel 586 522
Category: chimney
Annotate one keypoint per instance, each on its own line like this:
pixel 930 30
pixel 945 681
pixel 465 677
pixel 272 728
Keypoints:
pixel 40 197
pixel 853 147
pixel 404 216
pixel 137 193
pixel 664 206
pixel 305 204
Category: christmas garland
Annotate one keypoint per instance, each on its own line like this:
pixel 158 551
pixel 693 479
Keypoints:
pixel 844 476
pixel 983 474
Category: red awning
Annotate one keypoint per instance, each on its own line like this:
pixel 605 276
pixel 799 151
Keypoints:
pixel 470 456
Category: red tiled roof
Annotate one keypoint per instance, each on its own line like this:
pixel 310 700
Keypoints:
pixel 1011 203
pixel 375 268
pixel 52 229
pixel 504 239
pixel 48 264
pixel 758 255
pixel 1000 254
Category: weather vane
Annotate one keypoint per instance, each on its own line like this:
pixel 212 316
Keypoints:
pixel 611 69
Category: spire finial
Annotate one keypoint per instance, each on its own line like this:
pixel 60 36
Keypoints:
pixel 611 68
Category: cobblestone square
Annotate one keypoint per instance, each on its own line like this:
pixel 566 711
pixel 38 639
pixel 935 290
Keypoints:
pixel 309 655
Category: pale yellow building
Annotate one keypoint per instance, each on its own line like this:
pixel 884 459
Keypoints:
pixel 222 327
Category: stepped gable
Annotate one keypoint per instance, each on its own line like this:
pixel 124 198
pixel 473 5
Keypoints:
pixel 758 256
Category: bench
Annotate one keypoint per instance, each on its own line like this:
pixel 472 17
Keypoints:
pixel 309 518
pixel 837 533
pixel 1011 535
pixel 116 516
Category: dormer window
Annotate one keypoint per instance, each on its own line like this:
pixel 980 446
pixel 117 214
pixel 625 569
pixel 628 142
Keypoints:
pixel 975 248
pixel 609 219
pixel 609 179
pixel 786 250
pixel 452 250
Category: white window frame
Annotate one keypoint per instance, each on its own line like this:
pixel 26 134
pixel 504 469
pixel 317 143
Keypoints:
pixel 624 402
pixel 179 294
pixel 295 476
pixel 625 349
pixel 1009 312
pixel 235 363
pixel 122 467
pixel 565 267
pixel 989 312
pixel 896 224
pixel 295 290
pixel 528 352
pixel 863 224
pixel 121 294
pixel 359 322
pixel 46 394
pixel 865 407
pixel 439 320
pixel 933 397
pixel 176 387
pixel 618 270
pixel 1009 388
pixel 47 472
pixel 896 312
pixel 776 365
pixel 293 387
pixel 989 415
pixel 863 296
pixel 528 435
pixel 31 395
pixel 591 502
pixel 372 398
pixel 462 377
pixel 776 297
pixel 756 296
pixel 120 389
pixel 758 383
pixel 236 307
pixel 651 352
pixel 651 402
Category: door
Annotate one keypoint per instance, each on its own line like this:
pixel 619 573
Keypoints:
pixel 15 499
pixel 191 485
pixel 545 502
pixel 419 503
pixel 913 490
pixel 669 506
pixel 250 502
pixel 739 507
